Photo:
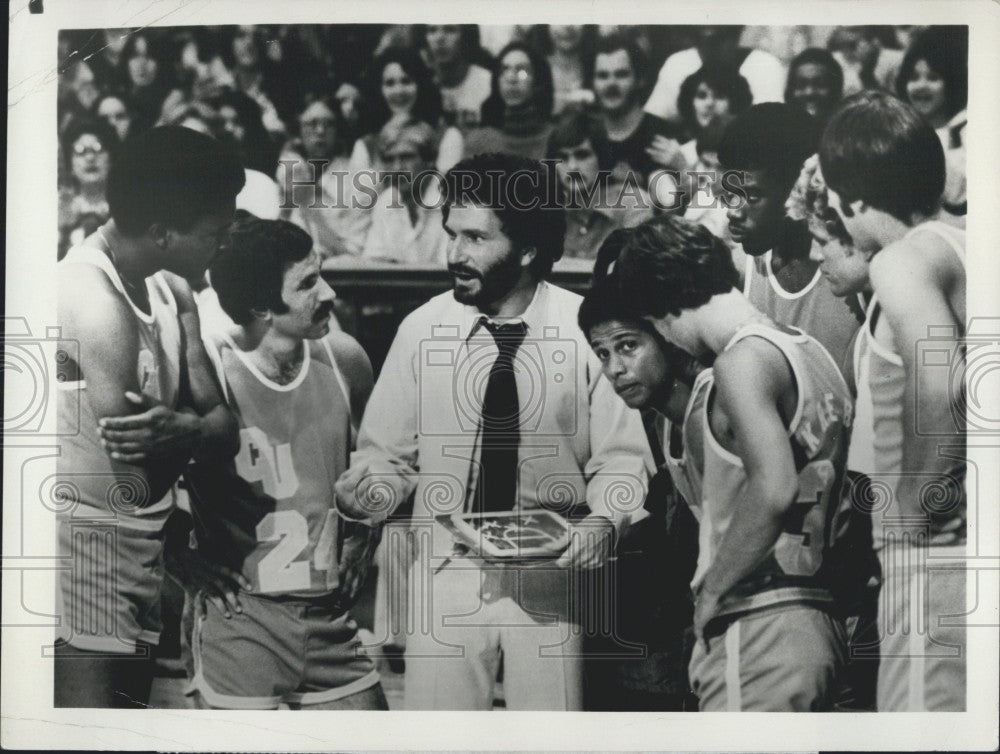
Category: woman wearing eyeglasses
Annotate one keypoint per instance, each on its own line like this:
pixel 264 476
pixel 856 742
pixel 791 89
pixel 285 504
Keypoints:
pixel 322 208
pixel 83 207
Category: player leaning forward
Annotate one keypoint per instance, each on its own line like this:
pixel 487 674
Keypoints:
pixel 269 516
pixel 543 423
pixel 148 403
pixel 773 414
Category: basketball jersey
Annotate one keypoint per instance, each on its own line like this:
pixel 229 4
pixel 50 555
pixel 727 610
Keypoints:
pixel 684 464
pixel 795 570
pixel 815 309
pixel 877 435
pixel 136 498
pixel 270 513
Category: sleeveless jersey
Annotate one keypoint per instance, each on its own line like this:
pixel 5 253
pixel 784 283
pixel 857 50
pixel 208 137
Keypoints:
pixel 135 498
pixel 269 513
pixel 815 309
pixel 795 570
pixel 877 436
pixel 684 464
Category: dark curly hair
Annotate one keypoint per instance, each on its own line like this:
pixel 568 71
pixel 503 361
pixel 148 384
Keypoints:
pixel 669 264
pixel 542 93
pixel 725 81
pixel 521 192
pixel 945 49
pixel 427 107
pixel 249 270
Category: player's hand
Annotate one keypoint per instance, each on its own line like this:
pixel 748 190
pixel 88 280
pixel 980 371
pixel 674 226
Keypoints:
pixel 666 152
pixel 210 581
pixel 356 557
pixel 591 542
pixel 156 432
pixel 362 496
pixel 706 607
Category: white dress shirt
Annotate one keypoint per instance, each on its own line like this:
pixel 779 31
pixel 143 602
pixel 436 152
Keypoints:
pixel 579 442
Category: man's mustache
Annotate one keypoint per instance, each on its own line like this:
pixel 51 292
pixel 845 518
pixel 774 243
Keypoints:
pixel 325 310
pixel 455 269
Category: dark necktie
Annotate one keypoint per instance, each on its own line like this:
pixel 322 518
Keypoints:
pixel 501 424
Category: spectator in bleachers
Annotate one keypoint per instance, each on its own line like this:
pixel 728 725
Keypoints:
pixel 815 83
pixel 257 70
pixel 642 145
pixel 594 207
pixel 569 50
pixel 89 145
pixel 114 111
pixel 400 90
pixel 147 82
pixel 463 84
pixel 239 122
pixel 317 196
pixel 106 61
pixel 77 93
pixel 516 116
pixel 717 45
pixel 707 94
pixel 705 205
pixel 934 79
pixel 351 102
pixel 406 222
pixel 869 56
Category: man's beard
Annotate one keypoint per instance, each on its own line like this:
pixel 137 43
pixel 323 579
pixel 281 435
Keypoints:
pixel 495 283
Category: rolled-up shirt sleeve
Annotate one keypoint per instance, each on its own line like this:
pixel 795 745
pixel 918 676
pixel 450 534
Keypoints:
pixel 387 440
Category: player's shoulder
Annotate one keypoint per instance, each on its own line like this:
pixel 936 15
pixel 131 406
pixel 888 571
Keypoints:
pixel 918 254
pixel 346 350
pixel 181 290
pixel 86 289
pixel 752 365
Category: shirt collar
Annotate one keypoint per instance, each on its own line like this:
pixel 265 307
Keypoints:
pixel 533 316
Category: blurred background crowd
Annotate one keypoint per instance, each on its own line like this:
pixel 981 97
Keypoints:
pixel 645 103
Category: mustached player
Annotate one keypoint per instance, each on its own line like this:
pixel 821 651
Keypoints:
pixel 774 411
pixel 267 522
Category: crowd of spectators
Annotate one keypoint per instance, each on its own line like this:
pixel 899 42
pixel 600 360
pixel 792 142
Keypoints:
pixel 645 105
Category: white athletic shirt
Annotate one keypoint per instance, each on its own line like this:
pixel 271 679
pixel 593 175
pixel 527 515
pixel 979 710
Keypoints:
pixel 877 435
pixel 84 469
pixel 794 570
pixel 269 512
pixel 815 309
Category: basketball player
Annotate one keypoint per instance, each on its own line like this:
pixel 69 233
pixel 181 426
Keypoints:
pixel 885 170
pixel 297 390
pixel 149 403
pixel 768 144
pixel 774 410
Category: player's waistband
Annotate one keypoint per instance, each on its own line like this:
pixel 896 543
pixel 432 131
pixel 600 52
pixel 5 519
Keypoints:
pixel 773 600
pixel 332 602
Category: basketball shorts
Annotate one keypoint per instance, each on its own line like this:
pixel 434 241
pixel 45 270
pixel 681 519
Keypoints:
pixel 920 622
pixel 109 595
pixel 277 651
pixel 780 660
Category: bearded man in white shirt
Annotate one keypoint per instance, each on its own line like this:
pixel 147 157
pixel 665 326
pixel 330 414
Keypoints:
pixel 502 334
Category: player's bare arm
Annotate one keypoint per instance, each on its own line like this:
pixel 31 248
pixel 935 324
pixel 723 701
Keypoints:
pixel 361 540
pixel 204 429
pixel 910 284
pixel 95 315
pixel 357 370
pixel 752 382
